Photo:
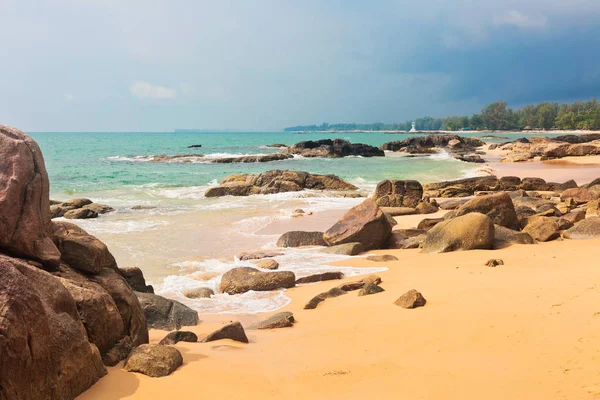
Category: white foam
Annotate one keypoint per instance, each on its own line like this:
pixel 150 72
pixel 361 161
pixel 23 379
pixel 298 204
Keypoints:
pixel 111 225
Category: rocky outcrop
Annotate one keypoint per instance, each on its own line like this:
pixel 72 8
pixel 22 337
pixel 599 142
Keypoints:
pixel 276 181
pixel 396 193
pixel 411 299
pixel 468 232
pixel 179 336
pixel 154 360
pixel 429 144
pixel 283 319
pixel 301 238
pixel 551 148
pixel 79 208
pixel 332 149
pixel 233 331
pixel 462 187
pixel 365 224
pixel 325 276
pixel 499 207
pixel 166 314
pixel 243 279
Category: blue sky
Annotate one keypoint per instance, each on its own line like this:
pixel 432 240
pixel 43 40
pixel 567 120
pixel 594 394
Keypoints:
pixel 142 65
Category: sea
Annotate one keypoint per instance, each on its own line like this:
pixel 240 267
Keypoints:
pixel 180 238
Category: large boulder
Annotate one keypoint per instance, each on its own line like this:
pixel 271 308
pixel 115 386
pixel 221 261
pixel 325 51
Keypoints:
pixel 24 199
pixel 504 237
pixel 154 360
pixel 243 279
pixel 167 314
pixel 462 187
pixel 396 193
pixel 301 238
pixel 234 331
pixel 44 348
pixel 428 144
pixel 543 229
pixel 468 232
pixel 579 195
pixel 499 207
pixel 365 224
pixel 332 149
pixel 588 228
pixel 276 181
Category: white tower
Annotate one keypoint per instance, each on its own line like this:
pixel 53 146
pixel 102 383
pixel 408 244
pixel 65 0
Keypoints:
pixel 413 129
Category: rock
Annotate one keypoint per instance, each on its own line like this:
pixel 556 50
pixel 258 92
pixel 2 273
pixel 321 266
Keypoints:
pixel 346 249
pixel 494 263
pixel 135 278
pixel 44 350
pixel 300 238
pixel 452 204
pixel 587 229
pixel 365 224
pixel 382 258
pixel 166 314
pixel 243 279
pixel 548 210
pixel 396 240
pixel 81 213
pixel 81 250
pixel 592 208
pixel 24 199
pixel 470 158
pixel 188 158
pixel 498 207
pixel 462 187
pixel 510 183
pixel 398 193
pixel 141 207
pixel 179 336
pixel 534 184
pixel 283 319
pixel 467 232
pixel 58 210
pixel 99 208
pixel 398 211
pixel 409 233
pixel 570 184
pixel 277 145
pixel 276 181
pixel 257 255
pixel 425 207
pixel 369 280
pixel 428 223
pixel 325 276
pixel 564 224
pixel 428 144
pixel 411 299
pixel 579 195
pixel 574 216
pixel 504 237
pixel 370 289
pixel 298 211
pixel 332 149
pixel 76 203
pixel 194 146
pixel 542 229
pixel 154 360
pixel 267 263
pixel 331 293
pixel 199 293
pixel 233 331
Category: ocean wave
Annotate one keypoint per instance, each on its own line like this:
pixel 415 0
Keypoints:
pixel 116 226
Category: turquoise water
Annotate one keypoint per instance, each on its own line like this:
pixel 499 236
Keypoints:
pixel 90 162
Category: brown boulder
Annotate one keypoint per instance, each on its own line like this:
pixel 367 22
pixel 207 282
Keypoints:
pixel 499 207
pixel 233 331
pixel 574 216
pixel 425 207
pixel 579 195
pixel 382 258
pixel 81 213
pixel 135 278
pixel 542 229
pixel 589 228
pixel 346 249
pixel 24 199
pixel 243 279
pixel 331 293
pixel 428 223
pixel 266 263
pixel 452 204
pixel 179 336
pixel 494 263
pixel 369 289
pixel 467 232
pixel 154 360
pixel 396 193
pixel 504 237
pixel 365 224
pixel 411 299
pixel 99 208
pixel 462 187
pixel 198 293
pixel 301 238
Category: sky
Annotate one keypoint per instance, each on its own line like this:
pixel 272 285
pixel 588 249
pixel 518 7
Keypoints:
pixel 159 65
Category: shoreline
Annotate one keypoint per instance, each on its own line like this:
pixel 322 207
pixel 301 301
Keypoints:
pixel 440 132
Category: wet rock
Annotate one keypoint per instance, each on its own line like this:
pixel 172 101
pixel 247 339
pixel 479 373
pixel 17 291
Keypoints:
pixel 99 208
pixel 332 149
pixel 369 289
pixel 153 360
pixel 331 293
pixel 325 276
pixel 243 279
pixel 411 299
pixel 199 293
pixel 589 228
pixel 267 263
pixel 428 223
pixel 81 213
pixel 166 314
pixel 542 229
pixel 233 331
pixel 498 207
pixel 301 238
pixel 397 193
pixel 494 263
pixel 504 237
pixel 179 336
pixel 470 158
pixel 77 203
pixel 135 278
pixel 283 319
pixel 346 249
pixel 382 258
pixel 365 224
pixel 257 255
pixel 467 232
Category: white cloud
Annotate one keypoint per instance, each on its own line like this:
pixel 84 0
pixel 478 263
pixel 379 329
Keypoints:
pixel 519 20
pixel 69 97
pixel 145 90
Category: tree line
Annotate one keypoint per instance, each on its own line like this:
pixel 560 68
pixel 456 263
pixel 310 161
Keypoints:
pixel 583 115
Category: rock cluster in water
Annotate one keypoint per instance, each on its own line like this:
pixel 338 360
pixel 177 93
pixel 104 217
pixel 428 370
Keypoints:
pixel 336 148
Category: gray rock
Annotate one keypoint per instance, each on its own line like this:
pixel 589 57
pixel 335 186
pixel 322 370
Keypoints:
pixel 589 228
pixel 166 314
